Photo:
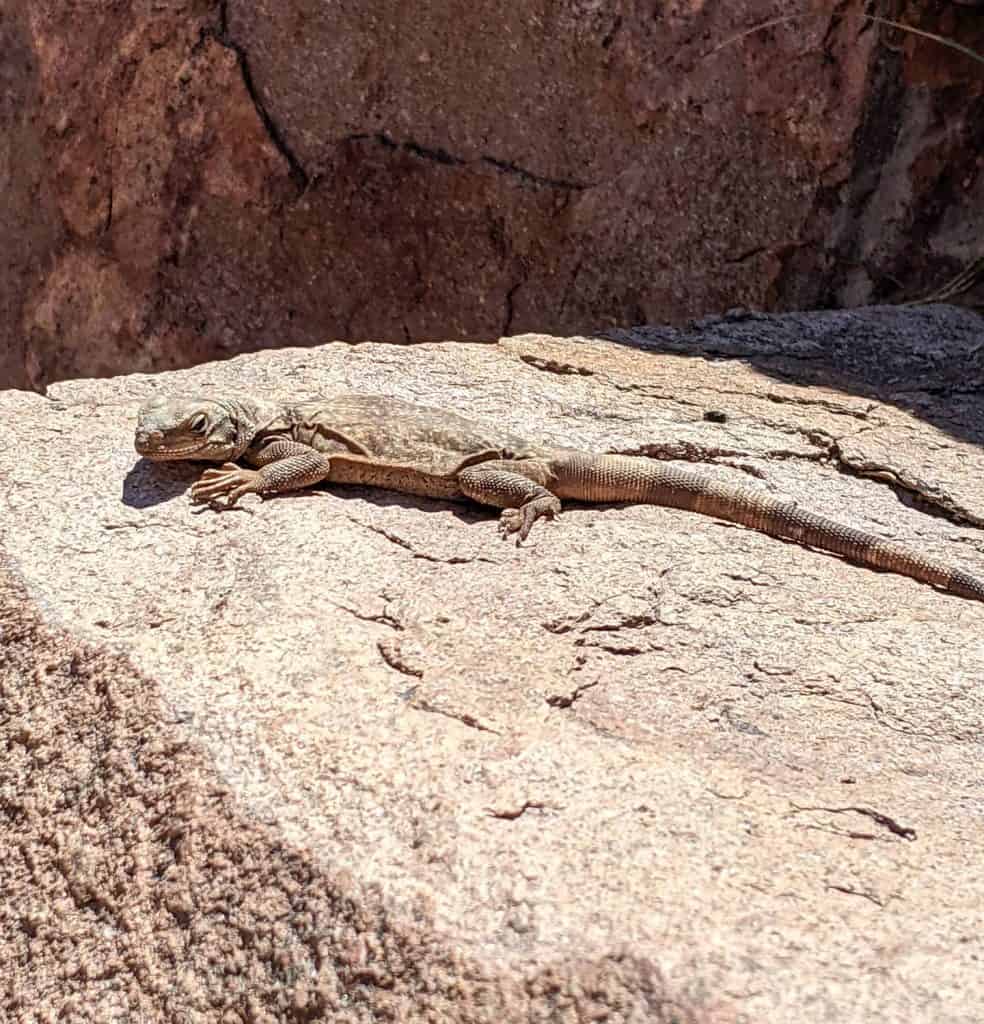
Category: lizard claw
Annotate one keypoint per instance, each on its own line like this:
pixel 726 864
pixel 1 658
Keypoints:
pixel 230 481
pixel 520 520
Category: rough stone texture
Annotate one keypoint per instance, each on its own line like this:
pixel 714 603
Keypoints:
pixel 372 763
pixel 134 889
pixel 189 179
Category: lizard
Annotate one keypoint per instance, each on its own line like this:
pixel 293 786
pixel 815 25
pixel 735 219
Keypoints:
pixel 378 441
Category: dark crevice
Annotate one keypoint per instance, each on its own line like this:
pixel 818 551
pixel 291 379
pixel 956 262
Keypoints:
pixel 382 618
pixel 836 222
pixel 612 32
pixel 621 652
pixel 566 700
pixel 910 490
pixel 553 366
pixel 518 812
pixel 109 208
pixel 423 555
pixel 536 179
pixel 681 451
pixel 463 717
pixel 442 156
pixel 221 34
pixel 903 831
pixel 508 319
pixel 745 256
pixel 392 656
pixel 847 890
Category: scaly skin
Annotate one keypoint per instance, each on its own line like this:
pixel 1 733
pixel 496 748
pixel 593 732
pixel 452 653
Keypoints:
pixel 385 442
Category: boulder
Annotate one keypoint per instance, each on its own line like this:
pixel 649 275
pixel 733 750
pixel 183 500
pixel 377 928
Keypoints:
pixel 347 755
pixel 189 180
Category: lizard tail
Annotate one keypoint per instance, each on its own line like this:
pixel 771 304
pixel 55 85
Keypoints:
pixel 609 478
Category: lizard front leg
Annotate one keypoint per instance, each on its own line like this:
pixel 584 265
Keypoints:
pixel 517 487
pixel 284 466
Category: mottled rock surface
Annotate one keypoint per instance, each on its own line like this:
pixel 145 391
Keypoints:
pixel 348 756
pixel 186 180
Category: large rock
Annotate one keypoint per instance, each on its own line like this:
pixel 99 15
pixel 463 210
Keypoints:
pixel 347 754
pixel 186 180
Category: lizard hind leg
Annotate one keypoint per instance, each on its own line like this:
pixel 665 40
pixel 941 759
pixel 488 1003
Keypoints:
pixel 504 484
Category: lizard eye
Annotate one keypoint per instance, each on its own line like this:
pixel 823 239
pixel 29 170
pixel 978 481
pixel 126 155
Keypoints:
pixel 198 423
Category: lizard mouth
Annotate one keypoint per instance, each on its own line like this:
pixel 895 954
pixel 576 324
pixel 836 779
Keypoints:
pixel 162 452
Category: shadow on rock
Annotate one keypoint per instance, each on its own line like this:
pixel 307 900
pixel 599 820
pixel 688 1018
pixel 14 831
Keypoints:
pixel 928 360
pixel 153 483
pixel 386 499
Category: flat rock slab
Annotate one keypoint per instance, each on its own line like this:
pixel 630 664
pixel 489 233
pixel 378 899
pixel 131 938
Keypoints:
pixel 756 765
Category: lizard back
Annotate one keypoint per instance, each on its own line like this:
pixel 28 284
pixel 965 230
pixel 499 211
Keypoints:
pixel 389 428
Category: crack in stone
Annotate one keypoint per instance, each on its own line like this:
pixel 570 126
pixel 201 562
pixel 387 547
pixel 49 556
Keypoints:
pixel 552 365
pixel 566 700
pixel 507 323
pixel 681 451
pixel 221 34
pixel 508 167
pixel 442 156
pixel 383 618
pixel 423 555
pixel 743 257
pixel 394 658
pixel 628 651
pixel 903 831
pixel 823 403
pixel 857 892
pixel 925 497
pixel 422 704
pixel 513 813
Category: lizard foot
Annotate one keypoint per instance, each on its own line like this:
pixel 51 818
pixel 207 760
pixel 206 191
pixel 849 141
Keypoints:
pixel 231 480
pixel 520 520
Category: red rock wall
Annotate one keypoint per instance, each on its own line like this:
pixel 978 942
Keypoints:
pixel 187 180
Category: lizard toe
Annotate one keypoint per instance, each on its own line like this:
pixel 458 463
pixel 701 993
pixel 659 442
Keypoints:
pixel 520 520
pixel 510 521
pixel 218 472
pixel 233 483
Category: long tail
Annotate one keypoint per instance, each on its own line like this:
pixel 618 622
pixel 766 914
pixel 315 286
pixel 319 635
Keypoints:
pixel 608 478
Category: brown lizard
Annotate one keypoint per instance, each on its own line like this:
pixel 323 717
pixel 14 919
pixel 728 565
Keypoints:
pixel 434 453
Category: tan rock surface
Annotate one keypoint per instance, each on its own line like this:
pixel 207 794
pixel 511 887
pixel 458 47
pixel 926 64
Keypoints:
pixel 751 766
pixel 193 179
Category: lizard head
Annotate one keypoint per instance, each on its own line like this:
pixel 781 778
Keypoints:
pixel 192 428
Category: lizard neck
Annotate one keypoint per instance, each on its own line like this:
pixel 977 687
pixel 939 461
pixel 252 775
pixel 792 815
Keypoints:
pixel 249 417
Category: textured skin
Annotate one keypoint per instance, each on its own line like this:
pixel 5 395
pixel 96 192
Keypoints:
pixel 389 443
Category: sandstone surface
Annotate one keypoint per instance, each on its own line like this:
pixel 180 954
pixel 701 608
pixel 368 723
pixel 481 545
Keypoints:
pixel 347 756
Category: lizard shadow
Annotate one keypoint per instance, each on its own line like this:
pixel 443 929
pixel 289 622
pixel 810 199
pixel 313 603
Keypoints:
pixel 153 483
pixel 465 512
